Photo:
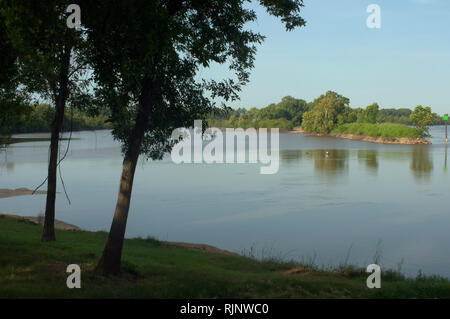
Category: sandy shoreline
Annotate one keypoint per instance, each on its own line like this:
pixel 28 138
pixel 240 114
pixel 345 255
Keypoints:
pixel 15 140
pixel 295 130
pixel 364 138
pixel 40 221
pixel 5 193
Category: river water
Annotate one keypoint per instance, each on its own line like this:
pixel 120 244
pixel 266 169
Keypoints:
pixel 332 200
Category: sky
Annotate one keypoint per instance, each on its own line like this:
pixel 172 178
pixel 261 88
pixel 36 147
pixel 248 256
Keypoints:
pixel 404 63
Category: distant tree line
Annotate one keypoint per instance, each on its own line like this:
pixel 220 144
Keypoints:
pixel 403 116
pixel 38 118
pixel 285 115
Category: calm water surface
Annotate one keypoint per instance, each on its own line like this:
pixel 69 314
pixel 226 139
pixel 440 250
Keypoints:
pixel 358 200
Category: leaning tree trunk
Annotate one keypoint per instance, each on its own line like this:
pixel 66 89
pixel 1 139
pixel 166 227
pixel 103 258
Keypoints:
pixel 60 105
pixel 110 261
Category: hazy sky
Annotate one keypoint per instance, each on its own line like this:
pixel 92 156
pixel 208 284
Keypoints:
pixel 404 63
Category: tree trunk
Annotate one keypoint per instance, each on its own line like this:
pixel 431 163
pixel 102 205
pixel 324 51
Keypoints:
pixel 110 261
pixel 60 105
pixel 49 223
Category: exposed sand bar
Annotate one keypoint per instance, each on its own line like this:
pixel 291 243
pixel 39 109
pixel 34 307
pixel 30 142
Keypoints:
pixel 4 193
pixel 295 130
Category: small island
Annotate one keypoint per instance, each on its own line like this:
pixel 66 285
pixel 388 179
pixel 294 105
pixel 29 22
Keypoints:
pixel 330 115
pixel 358 135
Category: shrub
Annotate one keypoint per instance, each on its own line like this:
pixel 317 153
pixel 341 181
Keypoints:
pixel 384 130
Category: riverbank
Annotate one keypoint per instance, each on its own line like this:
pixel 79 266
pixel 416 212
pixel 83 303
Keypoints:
pixel 371 139
pixel 365 138
pixel 296 130
pixel 60 225
pixel 15 140
pixel 152 269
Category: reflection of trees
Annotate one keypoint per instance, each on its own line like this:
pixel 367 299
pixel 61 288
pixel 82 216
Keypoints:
pixel 421 162
pixel 4 162
pixel 445 159
pixel 10 167
pixel 290 156
pixel 331 162
pixel 369 157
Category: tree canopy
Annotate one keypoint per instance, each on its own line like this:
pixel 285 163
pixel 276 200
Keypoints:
pixel 12 100
pixel 422 117
pixel 285 115
pixel 329 109
pixel 371 113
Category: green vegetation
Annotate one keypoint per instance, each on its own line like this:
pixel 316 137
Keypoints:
pixel 400 116
pixel 284 115
pixel 329 109
pixel 421 118
pixel 371 113
pixel 38 118
pixel 30 268
pixel 12 104
pixel 331 113
pixel 384 130
pixel 11 116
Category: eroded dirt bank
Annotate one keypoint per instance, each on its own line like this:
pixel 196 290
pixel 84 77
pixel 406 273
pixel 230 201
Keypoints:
pixel 370 139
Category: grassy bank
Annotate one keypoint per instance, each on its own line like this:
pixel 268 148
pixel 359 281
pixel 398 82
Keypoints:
pixel 29 268
pixel 384 130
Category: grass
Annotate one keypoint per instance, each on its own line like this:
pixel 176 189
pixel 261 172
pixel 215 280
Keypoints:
pixel 31 269
pixel 384 130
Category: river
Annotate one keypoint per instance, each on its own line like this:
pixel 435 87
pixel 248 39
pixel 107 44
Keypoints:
pixel 332 200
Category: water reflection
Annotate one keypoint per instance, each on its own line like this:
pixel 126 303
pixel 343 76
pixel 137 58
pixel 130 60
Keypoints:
pixel 445 159
pixel 369 158
pixel 290 156
pixel 421 163
pixel 331 162
pixel 334 163
pixel 4 161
